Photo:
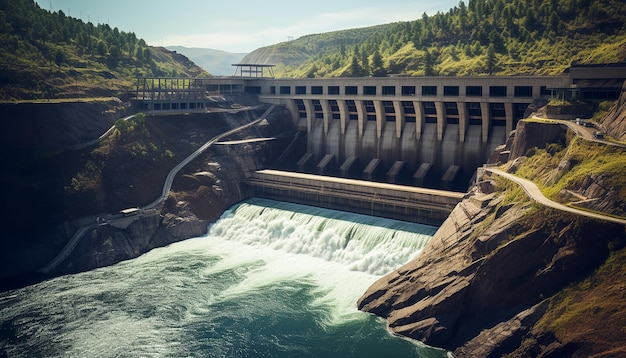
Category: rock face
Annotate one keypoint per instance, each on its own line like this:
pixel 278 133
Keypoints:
pixel 207 186
pixel 481 282
pixel 46 125
pixel 615 122
pixel 598 186
pixel 529 135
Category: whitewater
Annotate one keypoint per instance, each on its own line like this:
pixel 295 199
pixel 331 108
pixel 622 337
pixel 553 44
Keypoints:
pixel 269 279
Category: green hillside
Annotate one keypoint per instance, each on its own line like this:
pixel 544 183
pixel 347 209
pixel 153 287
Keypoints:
pixel 50 55
pixel 478 38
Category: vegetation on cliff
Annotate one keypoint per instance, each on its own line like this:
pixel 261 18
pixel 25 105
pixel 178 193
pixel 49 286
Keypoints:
pixel 129 167
pixel 586 317
pixel 475 38
pixel 49 55
pixel 576 172
pixel 589 314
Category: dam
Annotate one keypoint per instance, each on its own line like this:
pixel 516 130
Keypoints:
pixel 429 132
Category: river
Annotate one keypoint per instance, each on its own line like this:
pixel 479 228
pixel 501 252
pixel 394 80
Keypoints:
pixel 270 279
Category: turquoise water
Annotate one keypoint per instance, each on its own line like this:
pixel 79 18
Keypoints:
pixel 270 279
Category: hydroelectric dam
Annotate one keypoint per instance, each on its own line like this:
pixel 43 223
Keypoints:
pixel 361 140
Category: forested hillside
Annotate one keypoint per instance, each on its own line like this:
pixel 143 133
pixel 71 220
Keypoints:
pixel 48 54
pixel 478 38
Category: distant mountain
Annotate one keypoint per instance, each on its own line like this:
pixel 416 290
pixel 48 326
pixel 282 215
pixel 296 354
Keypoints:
pixel 216 62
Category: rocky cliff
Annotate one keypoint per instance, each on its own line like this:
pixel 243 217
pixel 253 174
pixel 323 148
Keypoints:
pixel 497 267
pixel 200 194
pixel 127 171
pixel 36 158
pixel 614 124
pixel 484 279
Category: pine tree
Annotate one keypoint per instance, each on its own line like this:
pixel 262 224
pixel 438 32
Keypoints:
pixel 355 68
pixel 377 69
pixel 428 64
pixel 491 59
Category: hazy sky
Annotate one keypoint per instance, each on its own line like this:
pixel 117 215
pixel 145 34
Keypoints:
pixel 240 25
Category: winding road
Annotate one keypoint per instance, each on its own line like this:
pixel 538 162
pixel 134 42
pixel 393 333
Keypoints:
pixel 582 131
pixel 534 193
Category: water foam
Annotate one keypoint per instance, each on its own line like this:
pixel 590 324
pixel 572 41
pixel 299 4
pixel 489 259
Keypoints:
pixel 341 253
pixel 364 243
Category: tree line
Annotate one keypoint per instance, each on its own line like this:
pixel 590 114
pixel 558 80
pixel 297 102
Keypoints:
pixel 475 38
pixel 44 53
pixel 40 35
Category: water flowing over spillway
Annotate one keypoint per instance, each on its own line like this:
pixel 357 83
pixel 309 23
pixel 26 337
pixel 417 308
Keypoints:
pixel 269 279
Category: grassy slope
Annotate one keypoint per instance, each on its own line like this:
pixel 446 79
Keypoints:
pixel 592 313
pixel 78 78
pixel 559 167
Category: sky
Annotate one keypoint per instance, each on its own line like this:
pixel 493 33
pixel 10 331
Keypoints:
pixel 240 26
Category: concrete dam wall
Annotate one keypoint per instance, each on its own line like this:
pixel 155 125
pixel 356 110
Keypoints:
pixel 448 163
pixel 427 131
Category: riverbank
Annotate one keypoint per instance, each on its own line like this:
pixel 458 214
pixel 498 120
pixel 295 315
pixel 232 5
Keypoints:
pixel 52 185
pixel 502 269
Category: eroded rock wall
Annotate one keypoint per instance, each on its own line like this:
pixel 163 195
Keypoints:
pixel 481 282
pixel 614 124
pixel 207 186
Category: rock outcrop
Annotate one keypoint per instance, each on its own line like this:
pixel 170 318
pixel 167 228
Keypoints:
pixel 199 195
pixel 529 135
pixel 481 282
pixel 491 272
pixel 614 124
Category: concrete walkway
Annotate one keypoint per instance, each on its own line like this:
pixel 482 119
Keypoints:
pixel 534 193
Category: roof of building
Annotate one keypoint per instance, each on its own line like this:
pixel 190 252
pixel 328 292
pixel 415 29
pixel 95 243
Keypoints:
pixel 253 64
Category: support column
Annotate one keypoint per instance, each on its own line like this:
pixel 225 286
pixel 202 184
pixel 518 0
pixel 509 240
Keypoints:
pixel 360 111
pixel 343 114
pixel 326 112
pixel 292 107
pixel 380 118
pixel 508 113
pixel 441 120
pixel 419 119
pixel 484 113
pixel 310 114
pixel 536 93
pixel 462 108
pixel 399 109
